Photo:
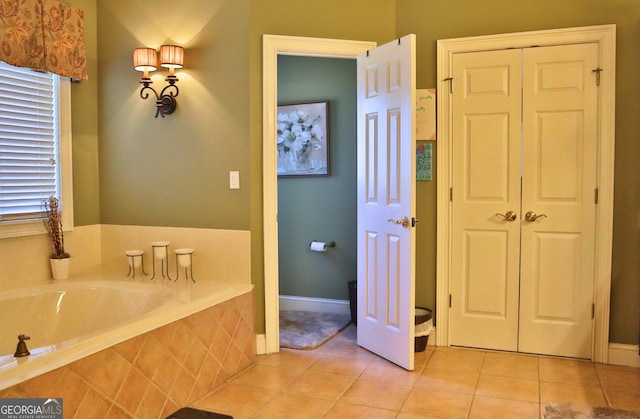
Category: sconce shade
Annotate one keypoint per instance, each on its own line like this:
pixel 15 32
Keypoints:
pixel 171 56
pixel 145 59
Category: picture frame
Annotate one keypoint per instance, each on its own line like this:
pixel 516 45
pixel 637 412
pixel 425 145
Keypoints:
pixel 303 139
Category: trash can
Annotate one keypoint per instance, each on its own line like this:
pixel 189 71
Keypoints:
pixel 353 301
pixel 423 326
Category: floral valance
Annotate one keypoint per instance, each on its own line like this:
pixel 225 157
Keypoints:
pixel 45 35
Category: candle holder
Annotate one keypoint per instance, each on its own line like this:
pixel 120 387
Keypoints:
pixel 136 260
pixel 184 260
pixel 161 251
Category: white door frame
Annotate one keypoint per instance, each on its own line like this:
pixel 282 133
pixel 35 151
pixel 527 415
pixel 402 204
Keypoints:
pixel 272 46
pixel 605 37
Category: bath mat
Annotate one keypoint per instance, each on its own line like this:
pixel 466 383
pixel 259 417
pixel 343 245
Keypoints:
pixel 307 329
pixel 574 411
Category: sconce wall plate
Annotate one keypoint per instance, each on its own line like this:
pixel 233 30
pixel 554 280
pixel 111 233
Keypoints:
pixel 146 60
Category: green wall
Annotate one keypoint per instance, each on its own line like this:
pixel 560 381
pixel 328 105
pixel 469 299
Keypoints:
pixel 174 171
pixel 320 208
pixel 84 120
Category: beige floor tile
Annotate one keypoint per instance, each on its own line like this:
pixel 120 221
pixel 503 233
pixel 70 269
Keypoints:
pixel 510 365
pixel 347 348
pixel 387 372
pixel 569 393
pixel 346 410
pixel 290 358
pixel 420 359
pixel 320 385
pixel 508 388
pixel 447 379
pixel 492 408
pixel 265 376
pixel 237 400
pixel 285 406
pixel 376 394
pixel 341 365
pixel 405 415
pixel 456 359
pixel 442 404
pixel 621 386
pixel 567 371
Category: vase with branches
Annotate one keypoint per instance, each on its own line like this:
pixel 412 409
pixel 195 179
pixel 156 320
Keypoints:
pixel 53 222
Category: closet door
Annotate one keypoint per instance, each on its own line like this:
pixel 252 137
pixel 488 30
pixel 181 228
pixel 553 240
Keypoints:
pixel 558 185
pixel 486 182
pixel 523 210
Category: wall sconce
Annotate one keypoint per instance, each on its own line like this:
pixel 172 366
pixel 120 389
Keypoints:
pixel 146 60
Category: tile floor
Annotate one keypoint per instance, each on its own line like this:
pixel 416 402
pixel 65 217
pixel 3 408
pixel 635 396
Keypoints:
pixel 342 380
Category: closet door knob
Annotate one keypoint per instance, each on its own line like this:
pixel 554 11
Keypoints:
pixel 532 216
pixel 509 216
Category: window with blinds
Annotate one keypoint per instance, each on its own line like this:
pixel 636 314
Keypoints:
pixel 30 134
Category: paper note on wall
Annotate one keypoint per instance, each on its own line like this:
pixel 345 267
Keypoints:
pixel 425 114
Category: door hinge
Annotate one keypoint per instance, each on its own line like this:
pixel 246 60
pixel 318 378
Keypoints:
pixel 593 311
pixel 450 194
pixel 449 300
pixel 597 71
pixel 450 80
pixel 596 196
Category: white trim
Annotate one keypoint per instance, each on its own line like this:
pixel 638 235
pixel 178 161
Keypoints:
pixel 605 37
pixel 272 46
pixel 621 354
pixel 30 228
pixel 320 305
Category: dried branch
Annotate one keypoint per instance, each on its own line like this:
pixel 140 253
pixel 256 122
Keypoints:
pixel 53 223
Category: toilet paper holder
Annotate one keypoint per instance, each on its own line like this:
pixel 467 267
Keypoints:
pixel 330 244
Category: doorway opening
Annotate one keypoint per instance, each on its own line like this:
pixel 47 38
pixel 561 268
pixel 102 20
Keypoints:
pixel 272 47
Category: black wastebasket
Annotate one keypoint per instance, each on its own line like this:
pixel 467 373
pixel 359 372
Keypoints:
pixel 353 301
pixel 423 325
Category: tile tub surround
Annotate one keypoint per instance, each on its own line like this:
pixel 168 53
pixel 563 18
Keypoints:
pixel 156 373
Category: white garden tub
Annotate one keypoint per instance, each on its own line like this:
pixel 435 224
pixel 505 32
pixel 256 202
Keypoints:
pixel 69 320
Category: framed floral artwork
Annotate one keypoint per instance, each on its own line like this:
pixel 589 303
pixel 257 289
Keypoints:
pixel 303 139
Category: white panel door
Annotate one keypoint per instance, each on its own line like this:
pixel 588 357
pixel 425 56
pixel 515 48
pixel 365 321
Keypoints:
pixel 558 185
pixel 486 182
pixel 524 141
pixel 386 200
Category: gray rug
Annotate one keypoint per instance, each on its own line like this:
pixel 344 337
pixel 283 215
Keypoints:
pixel 308 330
pixel 573 411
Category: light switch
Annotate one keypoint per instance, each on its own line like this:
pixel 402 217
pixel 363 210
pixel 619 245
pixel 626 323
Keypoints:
pixel 234 180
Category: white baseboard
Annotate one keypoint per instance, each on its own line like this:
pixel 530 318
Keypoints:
pixel 621 354
pixel 323 305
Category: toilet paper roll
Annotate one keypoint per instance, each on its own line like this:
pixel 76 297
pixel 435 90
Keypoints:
pixel 318 246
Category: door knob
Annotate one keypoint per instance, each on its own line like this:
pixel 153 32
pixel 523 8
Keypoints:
pixel 532 216
pixel 509 216
pixel 404 222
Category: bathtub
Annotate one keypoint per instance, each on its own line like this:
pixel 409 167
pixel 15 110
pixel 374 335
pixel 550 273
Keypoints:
pixel 70 320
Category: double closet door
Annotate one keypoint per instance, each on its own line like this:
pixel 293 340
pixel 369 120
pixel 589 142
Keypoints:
pixel 523 199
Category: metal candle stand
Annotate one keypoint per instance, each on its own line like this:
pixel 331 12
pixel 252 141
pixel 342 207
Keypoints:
pixel 184 259
pixel 161 251
pixel 136 259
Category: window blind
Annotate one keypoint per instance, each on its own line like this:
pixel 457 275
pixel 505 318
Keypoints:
pixel 29 136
